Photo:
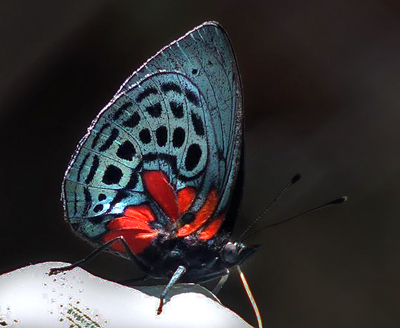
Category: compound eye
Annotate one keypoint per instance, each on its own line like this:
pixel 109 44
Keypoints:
pixel 229 253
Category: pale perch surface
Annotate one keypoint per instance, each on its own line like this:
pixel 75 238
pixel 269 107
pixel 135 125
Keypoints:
pixel 31 298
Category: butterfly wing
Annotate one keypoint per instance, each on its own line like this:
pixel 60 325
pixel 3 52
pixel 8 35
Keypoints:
pixel 180 113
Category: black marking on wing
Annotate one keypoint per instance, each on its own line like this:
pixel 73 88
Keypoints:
pixel 147 92
pixel 96 138
pixel 171 86
pixel 133 180
pixel 96 219
pixel 75 226
pixel 197 124
pixel 221 156
pixel 126 151
pixel 93 169
pixel 154 110
pixel 98 208
pixel 192 97
pixel 75 202
pixel 111 138
pixel 178 137
pixel 112 175
pixel 145 136
pixel 177 109
pixel 88 200
pixel 172 161
pixel 132 121
pixel 82 166
pixel 120 110
pixel 121 194
pixel 187 218
pixel 162 135
pixel 192 157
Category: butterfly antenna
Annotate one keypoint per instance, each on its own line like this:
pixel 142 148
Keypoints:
pixel 284 189
pixel 338 201
pixel 250 296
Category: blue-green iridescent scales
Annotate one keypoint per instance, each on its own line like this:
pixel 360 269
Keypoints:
pixel 180 112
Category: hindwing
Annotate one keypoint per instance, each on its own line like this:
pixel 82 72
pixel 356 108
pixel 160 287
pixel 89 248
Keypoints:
pixel 168 143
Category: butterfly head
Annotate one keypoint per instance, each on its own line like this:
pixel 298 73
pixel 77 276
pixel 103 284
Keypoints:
pixel 236 253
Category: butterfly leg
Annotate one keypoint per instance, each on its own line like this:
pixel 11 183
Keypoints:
pixel 96 252
pixel 221 283
pixel 175 277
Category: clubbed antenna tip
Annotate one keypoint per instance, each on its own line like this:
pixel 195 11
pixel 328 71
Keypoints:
pixel 296 178
pixel 338 201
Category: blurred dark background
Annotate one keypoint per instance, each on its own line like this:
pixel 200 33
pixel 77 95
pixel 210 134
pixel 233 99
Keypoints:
pixel 321 84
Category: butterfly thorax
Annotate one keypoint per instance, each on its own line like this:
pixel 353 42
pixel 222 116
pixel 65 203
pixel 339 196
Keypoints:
pixel 203 261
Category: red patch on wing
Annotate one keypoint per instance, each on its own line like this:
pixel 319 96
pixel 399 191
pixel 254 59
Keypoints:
pixel 212 228
pixel 162 192
pixel 201 216
pixel 134 227
pixel 185 199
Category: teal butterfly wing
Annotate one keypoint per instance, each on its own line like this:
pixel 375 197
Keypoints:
pixel 205 56
pixel 180 114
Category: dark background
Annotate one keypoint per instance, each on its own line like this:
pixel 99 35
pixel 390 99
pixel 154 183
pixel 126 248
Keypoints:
pixel 321 86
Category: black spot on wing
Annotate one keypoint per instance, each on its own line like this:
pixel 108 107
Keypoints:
pixel 192 97
pixel 98 208
pixel 171 86
pixel 126 151
pixel 145 93
pixel 102 197
pixel 132 121
pixel 177 109
pixel 192 157
pixel 197 124
pixel 145 136
pixel 93 169
pixel 162 136
pixel 178 137
pixel 154 110
pixel 111 138
pixel 112 175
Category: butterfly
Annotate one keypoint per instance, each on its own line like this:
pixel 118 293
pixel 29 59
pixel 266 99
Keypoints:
pixel 158 177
